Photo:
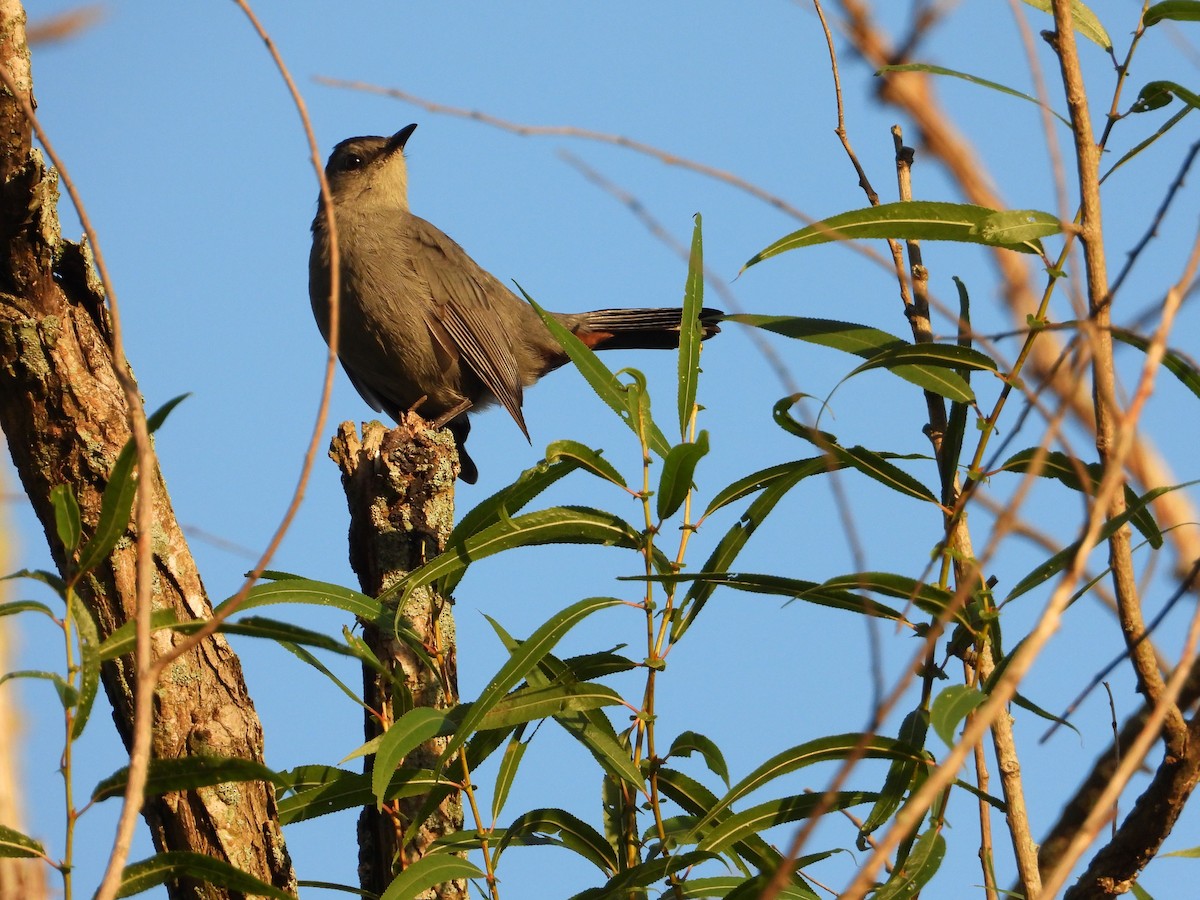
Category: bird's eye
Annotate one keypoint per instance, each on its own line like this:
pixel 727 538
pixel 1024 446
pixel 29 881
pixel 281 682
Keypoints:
pixel 348 162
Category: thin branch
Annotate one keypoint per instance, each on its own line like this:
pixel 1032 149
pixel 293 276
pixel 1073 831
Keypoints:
pixel 316 441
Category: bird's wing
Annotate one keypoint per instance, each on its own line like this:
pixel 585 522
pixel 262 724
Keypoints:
pixel 460 292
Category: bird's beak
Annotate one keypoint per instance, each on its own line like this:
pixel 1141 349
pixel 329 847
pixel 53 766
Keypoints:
pixel 400 138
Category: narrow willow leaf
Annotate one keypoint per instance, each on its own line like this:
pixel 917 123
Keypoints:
pixel 903 777
pixel 724 886
pixel 730 545
pixel 850 337
pixel 427 872
pixel 1059 561
pixel 68 696
pixel 407 733
pixel 830 748
pixel 1176 10
pixel 557 525
pixel 1173 361
pixel 528 704
pixel 312 593
pixel 586 458
pixel 690 332
pixel 929 598
pixel 20 606
pixel 531 651
pixel 974 79
pixel 679 467
pixel 922 863
pixel 507 773
pixel 696 799
pixel 1065 469
pixel 187 774
pixel 757 481
pixel 929 366
pixel 798 589
pixel 124 638
pixel 689 742
pixel 876 466
pixel 571 831
pixel 50 579
pixel 15 844
pixel 927 220
pixel 644 875
pixel 1083 20
pixel 591 727
pixel 950 707
pixel 341 789
pixel 164 867
pixel 758 818
pixel 510 500
pixel 89 661
pixel 1190 853
pixel 601 379
pixel 68 522
pixel 1011 228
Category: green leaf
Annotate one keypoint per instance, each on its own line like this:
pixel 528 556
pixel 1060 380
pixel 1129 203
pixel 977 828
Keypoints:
pixel 922 863
pixel 695 799
pixel 689 742
pixel 934 367
pixel 1176 10
pixel 14 844
pixel 1157 94
pixel 903 777
pixel 1059 561
pixel 89 662
pixel 507 772
pixel 974 79
pixel 1083 20
pixel 1173 361
pixel 427 872
pixel 187 774
pixel 825 749
pixel 763 478
pixel 557 525
pixel 164 867
pixel 20 606
pixel 51 580
pixel 531 651
pixel 407 733
pixel 922 220
pixel 875 465
pixel 730 545
pixel 571 832
pixel 527 704
pixel 312 593
pixel 951 706
pixel 67 520
pixel 1190 853
pixel 929 598
pixel 1066 469
pixel 116 505
pixel 601 379
pixel 68 696
pixel 734 888
pixel 798 589
pixel 586 458
pixel 690 332
pixel 643 875
pixel 679 467
pixel 758 818
pixel 320 790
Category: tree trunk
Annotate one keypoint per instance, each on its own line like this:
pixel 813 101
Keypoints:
pixel 65 417
pixel 400 489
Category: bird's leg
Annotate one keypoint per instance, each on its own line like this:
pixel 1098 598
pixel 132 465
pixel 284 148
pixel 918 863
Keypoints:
pixel 440 421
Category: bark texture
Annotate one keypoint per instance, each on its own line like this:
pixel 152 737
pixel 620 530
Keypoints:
pixel 400 489
pixel 65 419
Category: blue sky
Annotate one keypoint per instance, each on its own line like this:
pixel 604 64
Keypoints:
pixel 179 134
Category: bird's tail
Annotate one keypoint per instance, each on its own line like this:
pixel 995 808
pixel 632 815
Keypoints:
pixel 640 329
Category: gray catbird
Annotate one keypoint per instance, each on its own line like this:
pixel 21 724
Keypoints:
pixel 422 325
